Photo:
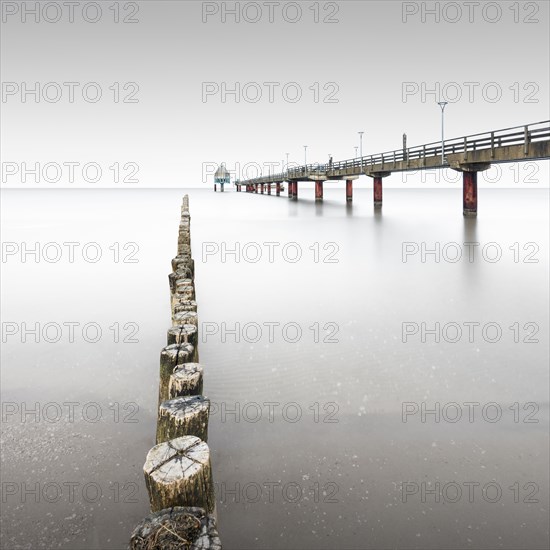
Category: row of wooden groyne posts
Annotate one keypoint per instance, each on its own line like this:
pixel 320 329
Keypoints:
pixel 178 472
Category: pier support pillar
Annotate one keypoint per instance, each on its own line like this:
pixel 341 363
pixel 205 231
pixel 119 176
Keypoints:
pixel 318 190
pixel 349 190
pixel 262 191
pixel 469 184
pixel 215 188
pixel 290 189
pixel 278 189
pixel 238 188
pixel 269 188
pixel 377 191
pixel 295 193
pixel 469 194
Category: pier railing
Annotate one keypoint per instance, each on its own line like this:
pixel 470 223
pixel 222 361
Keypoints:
pixel 516 135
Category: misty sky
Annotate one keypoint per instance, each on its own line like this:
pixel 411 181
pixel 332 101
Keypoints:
pixel 174 61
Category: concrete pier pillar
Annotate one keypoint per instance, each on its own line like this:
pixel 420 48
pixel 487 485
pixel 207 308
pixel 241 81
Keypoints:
pixel 238 188
pixel 377 191
pixel 295 193
pixel 349 190
pixel 290 189
pixel 262 191
pixel 215 188
pixel 278 189
pixel 318 190
pixel 469 194
pixel 269 188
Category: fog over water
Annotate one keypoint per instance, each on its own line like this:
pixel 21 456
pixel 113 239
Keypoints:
pixel 321 432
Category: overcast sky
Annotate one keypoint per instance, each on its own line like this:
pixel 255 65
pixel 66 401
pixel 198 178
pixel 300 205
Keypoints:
pixel 351 61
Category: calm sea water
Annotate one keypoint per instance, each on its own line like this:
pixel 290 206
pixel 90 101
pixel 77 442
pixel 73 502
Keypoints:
pixel 317 432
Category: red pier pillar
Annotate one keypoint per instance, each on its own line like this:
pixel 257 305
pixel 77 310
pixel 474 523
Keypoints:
pixel 349 190
pixel 269 188
pixel 377 191
pixel 295 193
pixel 318 190
pixel 469 194
pixel 278 189
pixel 262 191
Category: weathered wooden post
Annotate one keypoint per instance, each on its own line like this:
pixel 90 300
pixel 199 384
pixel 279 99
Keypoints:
pixel 187 379
pixel 178 473
pixel 170 356
pixel 180 527
pixel 181 306
pixel 186 318
pixel 184 415
pixel 185 289
pixel 183 334
pixel 183 261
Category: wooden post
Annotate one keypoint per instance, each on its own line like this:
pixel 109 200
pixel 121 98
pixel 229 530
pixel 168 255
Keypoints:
pixel 183 334
pixel 178 473
pixel 377 191
pixel 184 415
pixel 168 528
pixel 349 190
pixel 185 318
pixel 469 194
pixel 319 190
pixel 170 356
pixel 185 289
pixel 187 379
pixel 183 260
pixel 182 306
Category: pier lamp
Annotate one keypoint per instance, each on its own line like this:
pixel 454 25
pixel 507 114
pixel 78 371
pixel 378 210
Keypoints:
pixel 361 148
pixel 305 155
pixel 442 104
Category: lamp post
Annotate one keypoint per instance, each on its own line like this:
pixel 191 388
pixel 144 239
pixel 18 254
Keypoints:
pixel 287 163
pixel 442 104
pixel 356 149
pixel 361 148
pixel 305 155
